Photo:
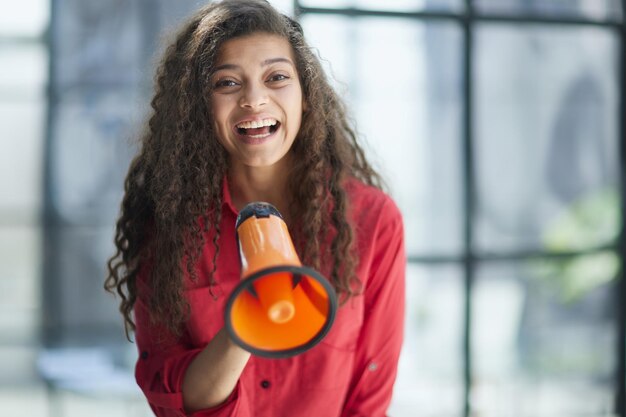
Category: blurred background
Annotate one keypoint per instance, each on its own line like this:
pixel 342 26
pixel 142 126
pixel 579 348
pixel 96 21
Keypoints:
pixel 498 124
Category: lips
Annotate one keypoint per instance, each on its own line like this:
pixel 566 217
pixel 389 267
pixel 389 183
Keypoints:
pixel 257 129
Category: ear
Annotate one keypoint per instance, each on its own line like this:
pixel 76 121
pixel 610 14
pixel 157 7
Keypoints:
pixel 305 106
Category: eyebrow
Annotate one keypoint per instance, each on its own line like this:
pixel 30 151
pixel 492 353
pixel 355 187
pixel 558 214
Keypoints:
pixel 263 64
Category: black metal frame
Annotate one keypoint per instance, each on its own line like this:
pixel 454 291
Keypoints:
pixel 467 19
pixel 620 398
pixel 48 221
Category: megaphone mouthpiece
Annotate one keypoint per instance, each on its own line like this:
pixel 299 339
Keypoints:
pixel 281 311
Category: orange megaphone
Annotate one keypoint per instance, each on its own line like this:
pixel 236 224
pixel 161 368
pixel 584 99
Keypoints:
pixel 280 308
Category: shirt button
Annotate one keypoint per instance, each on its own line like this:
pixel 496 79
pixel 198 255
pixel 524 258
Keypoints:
pixel 265 384
pixel 372 367
pixel 144 355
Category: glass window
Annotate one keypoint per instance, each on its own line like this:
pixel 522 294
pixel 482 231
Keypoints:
pixel 430 371
pixel 388 5
pixel 285 6
pixel 544 338
pixel 97 43
pixel 25 18
pixel 23 82
pixel 23 70
pixel 591 9
pixel 20 247
pixel 403 83
pixel 21 129
pixel 546 138
pixel 22 117
pixel 91 149
pixel 103 63
pixel 78 312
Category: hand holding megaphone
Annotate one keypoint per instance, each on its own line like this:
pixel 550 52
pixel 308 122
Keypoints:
pixel 280 308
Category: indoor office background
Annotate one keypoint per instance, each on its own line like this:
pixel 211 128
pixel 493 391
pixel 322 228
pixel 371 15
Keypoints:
pixel 498 124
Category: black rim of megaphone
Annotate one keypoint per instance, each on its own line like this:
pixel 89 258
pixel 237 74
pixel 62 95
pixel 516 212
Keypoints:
pixel 301 270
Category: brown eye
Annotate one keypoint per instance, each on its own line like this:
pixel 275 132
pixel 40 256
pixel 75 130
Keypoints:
pixel 225 83
pixel 278 77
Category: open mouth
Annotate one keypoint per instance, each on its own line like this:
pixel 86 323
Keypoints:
pixel 258 129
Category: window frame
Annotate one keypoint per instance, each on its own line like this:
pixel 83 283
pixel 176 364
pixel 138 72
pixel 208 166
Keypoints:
pixel 468 17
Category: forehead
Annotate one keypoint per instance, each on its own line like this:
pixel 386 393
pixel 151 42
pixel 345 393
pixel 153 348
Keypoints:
pixel 254 48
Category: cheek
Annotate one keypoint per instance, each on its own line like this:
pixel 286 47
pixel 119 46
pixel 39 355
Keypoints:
pixel 297 121
pixel 296 109
pixel 220 126
pixel 221 108
pixel 217 115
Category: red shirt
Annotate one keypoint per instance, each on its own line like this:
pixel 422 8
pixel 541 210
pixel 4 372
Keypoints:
pixel 351 372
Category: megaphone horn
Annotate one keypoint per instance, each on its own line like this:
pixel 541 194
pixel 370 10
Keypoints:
pixel 280 308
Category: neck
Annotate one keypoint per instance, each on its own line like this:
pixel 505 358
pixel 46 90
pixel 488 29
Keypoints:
pixel 268 184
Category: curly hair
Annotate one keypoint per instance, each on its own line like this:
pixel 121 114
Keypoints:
pixel 173 189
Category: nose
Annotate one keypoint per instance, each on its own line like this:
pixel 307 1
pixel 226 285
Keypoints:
pixel 253 96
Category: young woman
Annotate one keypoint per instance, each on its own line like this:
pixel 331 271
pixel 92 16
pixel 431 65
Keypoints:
pixel 243 112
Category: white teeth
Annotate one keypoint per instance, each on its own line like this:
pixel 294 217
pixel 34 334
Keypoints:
pixel 256 124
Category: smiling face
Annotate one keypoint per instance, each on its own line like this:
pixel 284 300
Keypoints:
pixel 257 100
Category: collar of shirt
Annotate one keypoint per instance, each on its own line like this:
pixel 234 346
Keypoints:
pixel 227 201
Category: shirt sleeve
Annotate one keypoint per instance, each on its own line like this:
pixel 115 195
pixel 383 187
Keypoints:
pixel 161 367
pixel 381 336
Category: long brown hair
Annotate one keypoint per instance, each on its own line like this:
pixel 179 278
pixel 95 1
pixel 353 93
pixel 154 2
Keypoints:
pixel 176 178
